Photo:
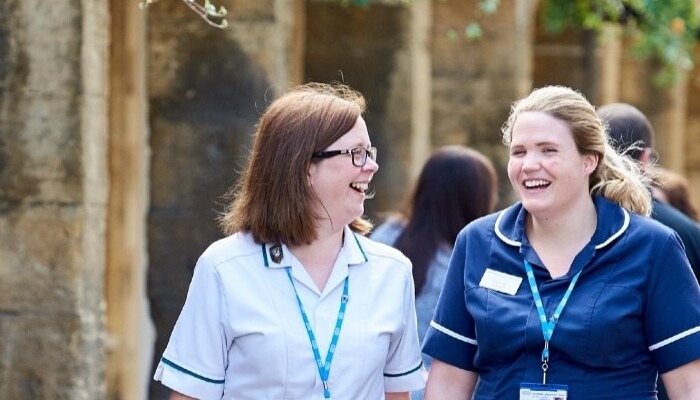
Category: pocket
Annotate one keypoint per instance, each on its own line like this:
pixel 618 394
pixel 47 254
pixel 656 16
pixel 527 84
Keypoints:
pixel 616 334
pixel 500 321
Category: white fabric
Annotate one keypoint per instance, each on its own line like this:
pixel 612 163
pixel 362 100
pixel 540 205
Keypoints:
pixel 241 335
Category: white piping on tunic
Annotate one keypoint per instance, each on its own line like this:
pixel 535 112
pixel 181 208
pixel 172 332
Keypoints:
pixel 674 338
pixel 612 237
pixel 452 333
pixel 618 233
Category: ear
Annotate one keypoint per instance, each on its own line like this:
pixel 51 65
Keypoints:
pixel 648 156
pixel 590 162
pixel 310 174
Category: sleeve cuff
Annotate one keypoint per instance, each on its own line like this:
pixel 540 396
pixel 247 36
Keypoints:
pixel 406 381
pixel 187 384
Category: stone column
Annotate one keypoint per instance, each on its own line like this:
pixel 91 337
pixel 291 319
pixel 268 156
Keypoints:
pixel 53 195
pixel 475 81
pixel 207 87
pixel 421 88
pixel 130 338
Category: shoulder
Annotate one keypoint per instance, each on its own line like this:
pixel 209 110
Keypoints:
pixel 504 223
pixel 674 219
pixel 238 245
pixel 641 225
pixel 380 253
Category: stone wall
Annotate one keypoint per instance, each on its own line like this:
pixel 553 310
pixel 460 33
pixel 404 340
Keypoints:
pixel 475 81
pixel 53 190
pixel 206 89
pixel 72 186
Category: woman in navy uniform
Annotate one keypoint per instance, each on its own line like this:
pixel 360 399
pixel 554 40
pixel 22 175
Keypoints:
pixel 572 292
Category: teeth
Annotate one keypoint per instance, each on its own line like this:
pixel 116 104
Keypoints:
pixel 536 183
pixel 359 186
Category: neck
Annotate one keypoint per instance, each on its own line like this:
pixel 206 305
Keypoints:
pixel 319 256
pixel 578 220
pixel 557 239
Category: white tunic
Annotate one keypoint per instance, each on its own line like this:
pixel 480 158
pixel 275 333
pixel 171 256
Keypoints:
pixel 241 335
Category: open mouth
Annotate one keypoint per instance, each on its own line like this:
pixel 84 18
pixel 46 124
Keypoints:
pixel 359 187
pixel 536 184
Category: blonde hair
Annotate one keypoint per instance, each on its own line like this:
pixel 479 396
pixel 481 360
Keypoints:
pixel 618 178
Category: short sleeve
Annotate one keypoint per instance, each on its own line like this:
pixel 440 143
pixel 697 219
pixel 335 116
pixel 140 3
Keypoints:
pixel 404 365
pixel 672 315
pixel 451 336
pixel 194 361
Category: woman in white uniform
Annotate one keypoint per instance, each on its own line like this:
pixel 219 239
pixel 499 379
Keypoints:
pixel 296 303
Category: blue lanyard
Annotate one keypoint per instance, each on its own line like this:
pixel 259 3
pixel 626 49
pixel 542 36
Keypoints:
pixel 547 326
pixel 323 368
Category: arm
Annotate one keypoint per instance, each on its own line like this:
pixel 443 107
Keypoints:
pixel 683 383
pixel 397 396
pixel 446 382
pixel 179 396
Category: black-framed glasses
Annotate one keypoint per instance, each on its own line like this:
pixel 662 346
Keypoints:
pixel 359 154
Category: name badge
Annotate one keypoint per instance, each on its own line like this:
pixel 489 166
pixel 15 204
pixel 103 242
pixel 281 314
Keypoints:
pixel 535 391
pixel 500 282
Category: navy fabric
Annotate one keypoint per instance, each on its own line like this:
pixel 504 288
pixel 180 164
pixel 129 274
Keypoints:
pixel 687 229
pixel 634 310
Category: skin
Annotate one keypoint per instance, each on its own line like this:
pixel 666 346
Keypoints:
pixel 683 383
pixel 543 151
pixel 446 382
pixel 335 182
pixel 332 178
pixel 551 178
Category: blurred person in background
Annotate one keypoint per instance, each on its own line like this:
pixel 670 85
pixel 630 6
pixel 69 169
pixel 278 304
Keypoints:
pixel 456 186
pixel 631 133
pixel 672 188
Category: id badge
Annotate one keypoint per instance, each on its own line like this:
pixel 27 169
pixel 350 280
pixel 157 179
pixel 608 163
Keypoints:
pixel 538 391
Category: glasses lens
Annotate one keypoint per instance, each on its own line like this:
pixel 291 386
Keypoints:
pixel 359 156
pixel 373 153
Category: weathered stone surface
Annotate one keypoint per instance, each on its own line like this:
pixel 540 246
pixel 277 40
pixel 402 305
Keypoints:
pixel 52 198
pixel 41 253
pixel 360 47
pixel 207 90
pixel 40 356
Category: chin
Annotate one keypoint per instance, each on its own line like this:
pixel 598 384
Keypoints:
pixel 534 206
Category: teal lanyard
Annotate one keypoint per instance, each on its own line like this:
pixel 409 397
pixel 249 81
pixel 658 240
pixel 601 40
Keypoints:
pixel 547 326
pixel 323 368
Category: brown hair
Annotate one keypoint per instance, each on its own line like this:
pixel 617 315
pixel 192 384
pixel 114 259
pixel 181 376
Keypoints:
pixel 616 177
pixel 456 186
pixel 273 199
pixel 675 188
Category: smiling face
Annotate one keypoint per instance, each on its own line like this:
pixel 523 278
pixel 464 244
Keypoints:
pixel 545 168
pixel 341 186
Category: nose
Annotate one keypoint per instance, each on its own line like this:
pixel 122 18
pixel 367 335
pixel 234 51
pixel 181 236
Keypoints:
pixel 371 165
pixel 531 162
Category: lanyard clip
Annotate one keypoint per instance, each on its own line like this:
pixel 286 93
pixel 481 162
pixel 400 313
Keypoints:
pixel 545 352
pixel 326 391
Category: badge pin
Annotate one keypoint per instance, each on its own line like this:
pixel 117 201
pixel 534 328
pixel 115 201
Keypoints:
pixel 276 253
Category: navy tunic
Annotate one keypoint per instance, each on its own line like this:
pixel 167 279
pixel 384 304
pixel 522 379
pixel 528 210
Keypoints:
pixel 634 311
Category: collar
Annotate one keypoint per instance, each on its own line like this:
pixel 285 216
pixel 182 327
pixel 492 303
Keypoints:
pixel 279 256
pixel 613 221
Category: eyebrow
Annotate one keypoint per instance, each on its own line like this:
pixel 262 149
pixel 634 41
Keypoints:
pixel 539 144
